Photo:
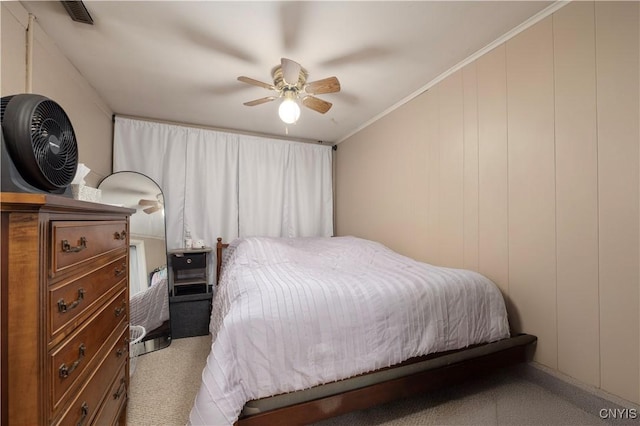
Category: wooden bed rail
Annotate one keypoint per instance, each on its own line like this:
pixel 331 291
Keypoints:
pixel 403 387
pixel 219 246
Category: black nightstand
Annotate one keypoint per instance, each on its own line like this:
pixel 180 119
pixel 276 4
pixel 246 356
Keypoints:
pixel 189 271
pixel 190 315
pixel 190 292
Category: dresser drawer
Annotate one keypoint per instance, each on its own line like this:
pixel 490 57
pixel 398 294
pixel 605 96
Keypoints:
pixel 117 396
pixel 75 242
pixel 69 300
pixel 91 398
pixel 188 260
pixel 70 360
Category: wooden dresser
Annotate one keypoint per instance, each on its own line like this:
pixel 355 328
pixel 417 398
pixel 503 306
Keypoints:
pixel 64 311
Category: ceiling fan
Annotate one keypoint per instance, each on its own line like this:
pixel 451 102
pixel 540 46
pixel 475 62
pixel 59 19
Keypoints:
pixel 290 83
pixel 152 206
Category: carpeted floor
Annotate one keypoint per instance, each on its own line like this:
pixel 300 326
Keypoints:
pixel 165 383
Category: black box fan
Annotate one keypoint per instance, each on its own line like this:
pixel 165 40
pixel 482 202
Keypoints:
pixel 39 148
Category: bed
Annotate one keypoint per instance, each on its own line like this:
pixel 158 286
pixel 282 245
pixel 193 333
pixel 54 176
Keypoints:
pixel 308 328
pixel 150 308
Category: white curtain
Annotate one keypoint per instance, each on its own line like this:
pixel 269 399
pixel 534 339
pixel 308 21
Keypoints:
pixel 285 189
pixel 309 190
pixel 211 186
pixel 229 185
pixel 158 151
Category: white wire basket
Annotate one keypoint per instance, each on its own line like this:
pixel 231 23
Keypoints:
pixel 135 345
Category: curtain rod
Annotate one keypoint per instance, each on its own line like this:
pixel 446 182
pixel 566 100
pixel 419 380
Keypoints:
pixel 221 129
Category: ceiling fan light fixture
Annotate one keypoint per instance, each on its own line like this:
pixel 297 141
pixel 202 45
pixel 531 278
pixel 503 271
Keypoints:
pixel 289 110
pixel 290 82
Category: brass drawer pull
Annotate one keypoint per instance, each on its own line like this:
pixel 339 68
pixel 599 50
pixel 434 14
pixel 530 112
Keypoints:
pixel 63 307
pixel 64 371
pixel 120 309
pixel 121 271
pixel 121 351
pixel 67 248
pixel 85 413
pixel 120 235
pixel 121 389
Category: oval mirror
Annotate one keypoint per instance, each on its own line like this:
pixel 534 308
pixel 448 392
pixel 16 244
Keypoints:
pixel 148 281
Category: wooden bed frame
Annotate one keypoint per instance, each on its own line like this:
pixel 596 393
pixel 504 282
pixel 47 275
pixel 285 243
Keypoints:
pixel 386 391
pixel 219 246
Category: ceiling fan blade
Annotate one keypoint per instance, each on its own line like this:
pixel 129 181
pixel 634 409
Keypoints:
pixel 316 104
pixel 291 22
pixel 260 101
pixel 153 209
pixel 147 202
pixel 326 85
pixel 256 82
pixel 290 71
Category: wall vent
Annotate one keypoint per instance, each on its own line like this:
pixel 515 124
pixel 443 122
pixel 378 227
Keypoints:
pixel 77 11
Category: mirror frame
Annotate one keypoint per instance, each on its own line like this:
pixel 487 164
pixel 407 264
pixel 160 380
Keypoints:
pixel 159 337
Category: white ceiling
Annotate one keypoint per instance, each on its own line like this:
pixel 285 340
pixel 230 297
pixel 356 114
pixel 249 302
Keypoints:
pixel 179 60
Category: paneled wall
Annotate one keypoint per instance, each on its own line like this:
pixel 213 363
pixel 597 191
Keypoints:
pixel 52 75
pixel 524 165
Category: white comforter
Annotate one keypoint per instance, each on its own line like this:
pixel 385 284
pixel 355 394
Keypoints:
pixel 290 314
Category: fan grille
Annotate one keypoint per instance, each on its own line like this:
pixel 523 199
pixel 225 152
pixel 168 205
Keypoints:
pixel 40 141
pixel 3 106
pixel 53 141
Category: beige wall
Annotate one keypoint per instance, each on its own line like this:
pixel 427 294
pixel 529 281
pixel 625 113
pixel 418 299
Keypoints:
pixel 524 165
pixel 52 75
pixel 155 252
